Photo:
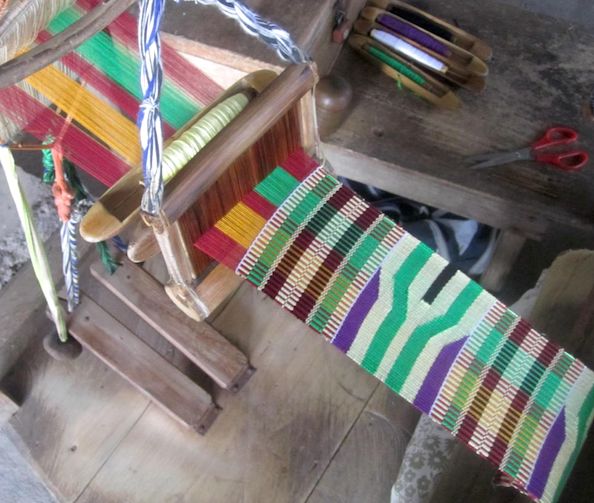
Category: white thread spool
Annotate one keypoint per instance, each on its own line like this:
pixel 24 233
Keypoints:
pixel 402 47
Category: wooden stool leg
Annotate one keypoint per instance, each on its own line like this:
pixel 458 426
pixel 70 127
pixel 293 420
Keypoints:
pixel 508 248
pixel 201 343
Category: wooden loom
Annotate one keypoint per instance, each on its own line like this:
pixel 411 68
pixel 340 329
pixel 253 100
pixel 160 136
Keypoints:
pixel 277 120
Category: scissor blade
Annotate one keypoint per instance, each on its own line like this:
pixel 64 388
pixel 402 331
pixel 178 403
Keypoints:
pixel 498 159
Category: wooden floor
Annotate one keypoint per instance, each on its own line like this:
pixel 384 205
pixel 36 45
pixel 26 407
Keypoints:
pixel 308 426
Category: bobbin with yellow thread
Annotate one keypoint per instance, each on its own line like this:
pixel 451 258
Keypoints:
pixel 119 206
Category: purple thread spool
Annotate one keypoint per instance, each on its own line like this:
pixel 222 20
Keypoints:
pixel 413 33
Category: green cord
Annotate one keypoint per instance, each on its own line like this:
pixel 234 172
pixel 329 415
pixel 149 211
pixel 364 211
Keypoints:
pixel 109 263
pixel 396 65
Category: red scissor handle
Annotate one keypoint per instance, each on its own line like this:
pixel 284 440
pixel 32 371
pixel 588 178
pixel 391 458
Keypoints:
pixel 555 136
pixel 567 161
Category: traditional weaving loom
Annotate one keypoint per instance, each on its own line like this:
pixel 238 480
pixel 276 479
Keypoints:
pixel 255 195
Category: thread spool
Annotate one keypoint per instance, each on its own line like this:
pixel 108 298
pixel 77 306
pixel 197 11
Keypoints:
pixel 333 98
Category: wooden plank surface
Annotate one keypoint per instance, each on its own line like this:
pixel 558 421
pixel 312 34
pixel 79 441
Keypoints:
pixel 271 442
pixel 541 75
pixel 73 417
pixel 143 367
pixel 22 306
pixel 203 345
pixel 367 463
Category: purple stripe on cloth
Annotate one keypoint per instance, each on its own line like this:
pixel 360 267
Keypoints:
pixel 357 314
pixel 546 457
pixel 437 375
pixel 413 33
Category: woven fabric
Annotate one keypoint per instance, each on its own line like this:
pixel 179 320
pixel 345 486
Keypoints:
pixel 406 316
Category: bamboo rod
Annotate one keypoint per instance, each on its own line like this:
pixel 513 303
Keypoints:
pixel 39 57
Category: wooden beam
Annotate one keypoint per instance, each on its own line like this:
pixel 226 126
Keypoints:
pixel 201 343
pixel 45 54
pixel 140 365
pixel 436 191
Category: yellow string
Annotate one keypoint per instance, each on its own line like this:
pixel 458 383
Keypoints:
pixel 99 118
pixel 180 151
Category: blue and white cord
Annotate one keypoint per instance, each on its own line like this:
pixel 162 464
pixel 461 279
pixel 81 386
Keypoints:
pixel 149 117
pixel 254 24
pixel 68 243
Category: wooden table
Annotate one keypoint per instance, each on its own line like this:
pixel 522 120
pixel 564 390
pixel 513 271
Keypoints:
pixel 542 74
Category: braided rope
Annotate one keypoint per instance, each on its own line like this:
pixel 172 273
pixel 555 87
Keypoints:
pixel 254 24
pixel 149 117
pixel 68 243
pixel 151 75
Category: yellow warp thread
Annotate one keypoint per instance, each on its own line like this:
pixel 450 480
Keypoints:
pixel 182 150
pixel 99 118
pixel 242 224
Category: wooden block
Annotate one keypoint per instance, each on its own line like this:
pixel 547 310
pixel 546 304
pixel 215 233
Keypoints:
pixel 218 286
pixel 8 408
pixel 120 349
pixel 201 343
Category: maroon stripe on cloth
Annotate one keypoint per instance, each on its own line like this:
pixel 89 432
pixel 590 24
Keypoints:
pixel 520 332
pixel 314 289
pixel 340 198
pixel 280 274
pixel 304 306
pixel 365 219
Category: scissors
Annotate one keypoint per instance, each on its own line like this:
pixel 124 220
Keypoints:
pixel 569 160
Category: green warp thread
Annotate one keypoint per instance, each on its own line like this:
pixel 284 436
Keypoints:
pixel 396 65
pixel 121 65
pixel 180 151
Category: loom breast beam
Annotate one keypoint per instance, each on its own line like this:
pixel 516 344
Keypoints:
pixel 42 55
pixel 456 57
pixel 434 24
pixel 413 78
pixel 259 116
pixel 119 207
pixel 452 73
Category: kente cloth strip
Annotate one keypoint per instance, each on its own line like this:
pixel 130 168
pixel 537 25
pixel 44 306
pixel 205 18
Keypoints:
pixel 405 315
